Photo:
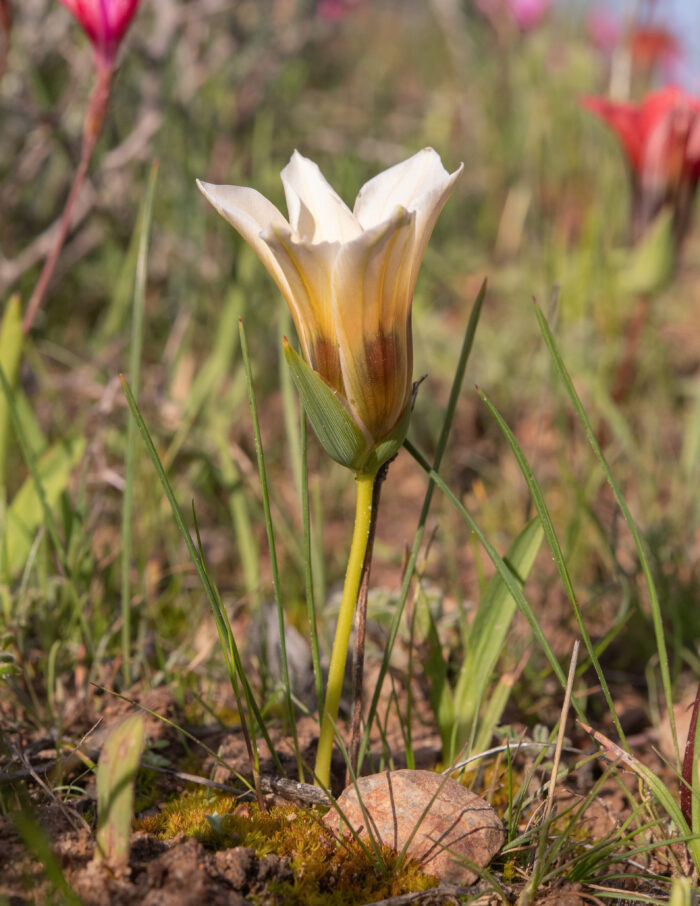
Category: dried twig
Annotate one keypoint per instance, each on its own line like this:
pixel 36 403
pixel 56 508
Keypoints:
pixel 446 893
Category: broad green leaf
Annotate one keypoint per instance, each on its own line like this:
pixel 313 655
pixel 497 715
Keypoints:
pixel 648 267
pixel 116 775
pixel 25 514
pixel 488 633
pixel 31 429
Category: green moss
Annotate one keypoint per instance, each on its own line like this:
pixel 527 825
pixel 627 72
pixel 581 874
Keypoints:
pixel 326 873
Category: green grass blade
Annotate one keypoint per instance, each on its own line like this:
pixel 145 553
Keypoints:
pixel 232 657
pixel 49 478
pixel 488 636
pixel 37 497
pixel 638 542
pixel 664 795
pixel 308 561
pixel 289 410
pixel 213 372
pixel 502 568
pixel 11 340
pixel 239 510
pixel 143 230
pixel 264 486
pixel 425 638
pixel 39 845
pixel 557 555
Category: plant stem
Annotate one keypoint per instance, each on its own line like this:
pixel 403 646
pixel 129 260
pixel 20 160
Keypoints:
pixel 94 117
pixel 5 28
pixel 336 672
pixel 358 658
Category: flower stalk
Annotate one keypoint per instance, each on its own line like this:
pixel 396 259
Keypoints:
pixel 105 22
pixel 5 30
pixel 364 484
pixel 94 118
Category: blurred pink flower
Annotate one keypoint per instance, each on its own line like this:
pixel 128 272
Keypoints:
pixel 526 14
pixel 104 22
pixel 334 10
pixel 529 13
pixel 603 29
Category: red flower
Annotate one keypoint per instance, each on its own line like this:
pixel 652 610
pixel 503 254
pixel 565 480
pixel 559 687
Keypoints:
pixel 650 45
pixel 661 138
pixel 104 22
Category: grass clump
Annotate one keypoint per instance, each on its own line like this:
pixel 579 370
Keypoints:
pixel 326 871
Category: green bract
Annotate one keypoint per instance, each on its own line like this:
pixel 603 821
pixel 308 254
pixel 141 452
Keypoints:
pixel 333 424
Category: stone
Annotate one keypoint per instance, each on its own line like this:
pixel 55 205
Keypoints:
pixel 458 823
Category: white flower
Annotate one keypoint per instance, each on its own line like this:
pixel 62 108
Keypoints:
pixel 348 277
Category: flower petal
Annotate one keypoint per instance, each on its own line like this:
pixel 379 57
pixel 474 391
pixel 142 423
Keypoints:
pixel 316 212
pixel 427 207
pixel 399 186
pixel 308 271
pixel 420 184
pixel 372 310
pixel 250 213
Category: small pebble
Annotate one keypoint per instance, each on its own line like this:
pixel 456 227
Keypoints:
pixel 458 825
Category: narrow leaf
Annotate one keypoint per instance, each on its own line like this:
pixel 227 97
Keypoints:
pixel 11 337
pixel 38 496
pixel 116 776
pixel 489 630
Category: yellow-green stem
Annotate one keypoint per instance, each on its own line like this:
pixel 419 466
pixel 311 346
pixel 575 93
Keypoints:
pixel 339 654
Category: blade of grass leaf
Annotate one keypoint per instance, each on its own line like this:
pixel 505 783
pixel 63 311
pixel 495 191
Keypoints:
pixel 557 554
pixel 308 562
pixel 639 544
pixel 33 468
pixel 238 505
pixel 290 409
pixel 39 845
pixel 232 657
pixel 264 487
pixel 11 340
pixel 541 858
pixel 143 229
pixel 663 795
pixel 487 638
pixel 216 368
pixel 166 720
pixel 498 562
pixel 455 391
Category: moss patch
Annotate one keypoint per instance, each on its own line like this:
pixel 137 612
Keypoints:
pixel 326 872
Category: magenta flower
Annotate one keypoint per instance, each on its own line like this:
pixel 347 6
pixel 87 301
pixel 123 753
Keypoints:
pixel 603 29
pixel 526 14
pixel 105 22
pixel 335 10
